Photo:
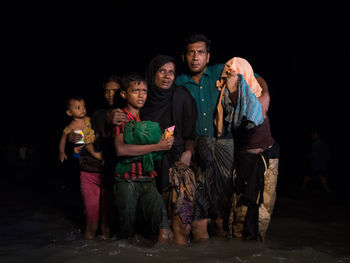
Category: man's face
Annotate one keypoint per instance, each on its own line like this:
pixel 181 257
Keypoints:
pixel 196 57
pixel 136 94
pixel 110 89
pixel 165 76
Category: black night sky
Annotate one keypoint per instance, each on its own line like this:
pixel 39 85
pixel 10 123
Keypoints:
pixel 56 48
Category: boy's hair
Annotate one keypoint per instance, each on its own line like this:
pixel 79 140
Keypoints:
pixel 68 101
pixel 128 78
pixel 194 38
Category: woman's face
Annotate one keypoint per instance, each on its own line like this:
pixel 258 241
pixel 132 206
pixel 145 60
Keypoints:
pixel 165 76
pixel 110 89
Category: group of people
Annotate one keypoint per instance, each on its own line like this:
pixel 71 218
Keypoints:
pixel 184 157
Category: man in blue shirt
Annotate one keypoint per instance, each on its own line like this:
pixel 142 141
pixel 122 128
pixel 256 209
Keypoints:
pixel 214 174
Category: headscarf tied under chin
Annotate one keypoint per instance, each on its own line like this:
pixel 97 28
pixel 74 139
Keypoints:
pixel 245 92
pixel 158 100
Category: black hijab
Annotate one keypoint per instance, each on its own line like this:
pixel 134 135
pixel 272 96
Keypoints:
pixel 158 104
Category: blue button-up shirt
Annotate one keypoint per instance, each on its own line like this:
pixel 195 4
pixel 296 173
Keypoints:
pixel 206 96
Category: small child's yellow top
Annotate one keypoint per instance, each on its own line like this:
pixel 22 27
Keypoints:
pixel 89 134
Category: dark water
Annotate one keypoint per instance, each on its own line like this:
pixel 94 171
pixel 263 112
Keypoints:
pixel 42 223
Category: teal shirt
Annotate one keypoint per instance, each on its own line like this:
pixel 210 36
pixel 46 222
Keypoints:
pixel 206 96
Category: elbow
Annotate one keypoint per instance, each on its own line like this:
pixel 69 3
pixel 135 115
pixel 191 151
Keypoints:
pixel 120 151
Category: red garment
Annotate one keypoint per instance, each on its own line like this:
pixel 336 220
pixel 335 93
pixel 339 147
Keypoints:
pixel 137 171
pixel 95 196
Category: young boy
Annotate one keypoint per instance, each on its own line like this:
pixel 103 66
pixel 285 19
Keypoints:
pixel 91 180
pixel 135 193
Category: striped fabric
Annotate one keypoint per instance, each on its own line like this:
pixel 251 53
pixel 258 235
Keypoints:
pixel 136 167
pixel 248 106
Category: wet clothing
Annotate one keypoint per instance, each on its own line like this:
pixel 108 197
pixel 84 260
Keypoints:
pixel 136 198
pixel 213 162
pixel 254 195
pixel 255 178
pixel 94 196
pixel 182 192
pixel 139 204
pixel 104 142
pixel 214 171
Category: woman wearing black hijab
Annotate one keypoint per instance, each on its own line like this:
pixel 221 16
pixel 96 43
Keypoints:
pixel 170 105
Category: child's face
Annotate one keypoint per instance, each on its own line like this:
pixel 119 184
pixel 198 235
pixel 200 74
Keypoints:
pixel 77 109
pixel 136 94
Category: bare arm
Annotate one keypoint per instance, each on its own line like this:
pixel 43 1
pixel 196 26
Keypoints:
pixel 188 153
pixel 123 149
pixel 264 99
pixel 62 147
pixel 90 148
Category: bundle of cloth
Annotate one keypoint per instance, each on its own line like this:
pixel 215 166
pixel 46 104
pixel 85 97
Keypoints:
pixel 248 106
pixel 140 133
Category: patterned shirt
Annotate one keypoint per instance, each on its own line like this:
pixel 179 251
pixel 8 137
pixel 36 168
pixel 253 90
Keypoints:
pixel 206 96
pixel 89 136
pixel 136 167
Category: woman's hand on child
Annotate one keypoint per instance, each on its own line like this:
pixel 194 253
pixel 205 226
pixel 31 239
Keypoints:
pixel 116 117
pixel 74 137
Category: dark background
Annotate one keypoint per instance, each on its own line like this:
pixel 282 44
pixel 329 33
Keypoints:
pixel 53 49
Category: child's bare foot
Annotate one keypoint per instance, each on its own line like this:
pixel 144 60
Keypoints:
pixel 105 232
pixel 88 235
pixel 90 231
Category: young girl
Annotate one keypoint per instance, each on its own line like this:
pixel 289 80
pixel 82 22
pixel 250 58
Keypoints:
pixel 90 164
